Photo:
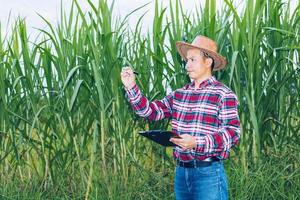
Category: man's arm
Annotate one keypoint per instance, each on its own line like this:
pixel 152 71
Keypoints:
pixel 155 110
pixel 220 142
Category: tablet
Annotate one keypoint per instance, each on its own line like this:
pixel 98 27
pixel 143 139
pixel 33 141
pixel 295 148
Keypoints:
pixel 161 137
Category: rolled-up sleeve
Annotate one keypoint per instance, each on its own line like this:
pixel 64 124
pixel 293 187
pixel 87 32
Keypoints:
pixel 155 110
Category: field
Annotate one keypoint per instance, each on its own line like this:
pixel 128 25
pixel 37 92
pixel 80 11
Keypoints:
pixel 67 131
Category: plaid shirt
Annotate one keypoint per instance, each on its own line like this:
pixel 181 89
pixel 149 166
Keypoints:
pixel 209 113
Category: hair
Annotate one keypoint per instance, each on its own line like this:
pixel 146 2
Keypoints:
pixel 206 56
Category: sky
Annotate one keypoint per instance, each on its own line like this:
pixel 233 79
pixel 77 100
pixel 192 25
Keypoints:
pixel 29 9
pixel 50 9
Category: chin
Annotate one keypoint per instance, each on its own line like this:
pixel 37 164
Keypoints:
pixel 191 76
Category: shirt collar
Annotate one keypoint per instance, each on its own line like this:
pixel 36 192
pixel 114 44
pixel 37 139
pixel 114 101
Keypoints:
pixel 205 83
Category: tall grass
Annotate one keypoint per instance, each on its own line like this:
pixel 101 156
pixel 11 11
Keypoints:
pixel 66 129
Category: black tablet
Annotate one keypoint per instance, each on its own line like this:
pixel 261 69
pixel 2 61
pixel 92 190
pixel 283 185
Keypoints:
pixel 159 136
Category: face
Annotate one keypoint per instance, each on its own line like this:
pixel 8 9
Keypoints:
pixel 197 66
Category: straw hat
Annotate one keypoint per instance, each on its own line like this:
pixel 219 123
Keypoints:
pixel 207 46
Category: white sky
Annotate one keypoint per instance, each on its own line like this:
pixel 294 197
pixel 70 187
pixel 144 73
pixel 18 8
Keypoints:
pixel 50 10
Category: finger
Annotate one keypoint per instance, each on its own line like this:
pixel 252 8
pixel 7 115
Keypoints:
pixel 177 139
pixel 172 140
pixel 183 147
pixel 126 74
pixel 175 142
pixel 126 68
pixel 179 143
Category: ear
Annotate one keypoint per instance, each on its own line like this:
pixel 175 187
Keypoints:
pixel 208 62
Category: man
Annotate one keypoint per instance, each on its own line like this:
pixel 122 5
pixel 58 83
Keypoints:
pixel 204 113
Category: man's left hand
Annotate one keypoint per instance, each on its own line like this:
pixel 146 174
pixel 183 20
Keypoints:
pixel 185 142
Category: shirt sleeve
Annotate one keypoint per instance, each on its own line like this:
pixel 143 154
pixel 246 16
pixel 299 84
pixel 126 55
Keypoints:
pixel 155 110
pixel 228 134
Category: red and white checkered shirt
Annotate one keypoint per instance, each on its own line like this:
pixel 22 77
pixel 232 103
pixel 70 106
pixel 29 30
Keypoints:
pixel 209 113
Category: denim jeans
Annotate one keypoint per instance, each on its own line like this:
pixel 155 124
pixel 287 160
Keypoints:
pixel 205 183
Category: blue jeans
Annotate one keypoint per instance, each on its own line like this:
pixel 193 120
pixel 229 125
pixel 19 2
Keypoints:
pixel 205 183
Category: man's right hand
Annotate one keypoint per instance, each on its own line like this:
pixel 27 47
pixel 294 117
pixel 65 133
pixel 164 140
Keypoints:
pixel 128 77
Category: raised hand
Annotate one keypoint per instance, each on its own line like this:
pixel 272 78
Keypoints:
pixel 128 77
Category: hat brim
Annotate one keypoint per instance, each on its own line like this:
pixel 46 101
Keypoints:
pixel 219 61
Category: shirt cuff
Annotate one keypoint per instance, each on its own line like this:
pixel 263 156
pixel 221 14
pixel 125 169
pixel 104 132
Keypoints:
pixel 133 92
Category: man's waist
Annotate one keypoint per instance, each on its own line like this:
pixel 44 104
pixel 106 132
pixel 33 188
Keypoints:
pixel 197 163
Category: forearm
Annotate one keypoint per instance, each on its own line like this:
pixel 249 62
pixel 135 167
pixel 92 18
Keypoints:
pixel 155 110
pixel 218 143
pixel 228 133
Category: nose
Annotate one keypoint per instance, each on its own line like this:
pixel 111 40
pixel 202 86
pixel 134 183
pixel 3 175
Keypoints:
pixel 187 66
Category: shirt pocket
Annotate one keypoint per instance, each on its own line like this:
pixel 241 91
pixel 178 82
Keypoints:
pixel 208 113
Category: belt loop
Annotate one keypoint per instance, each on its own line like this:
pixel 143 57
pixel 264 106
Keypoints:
pixel 195 163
